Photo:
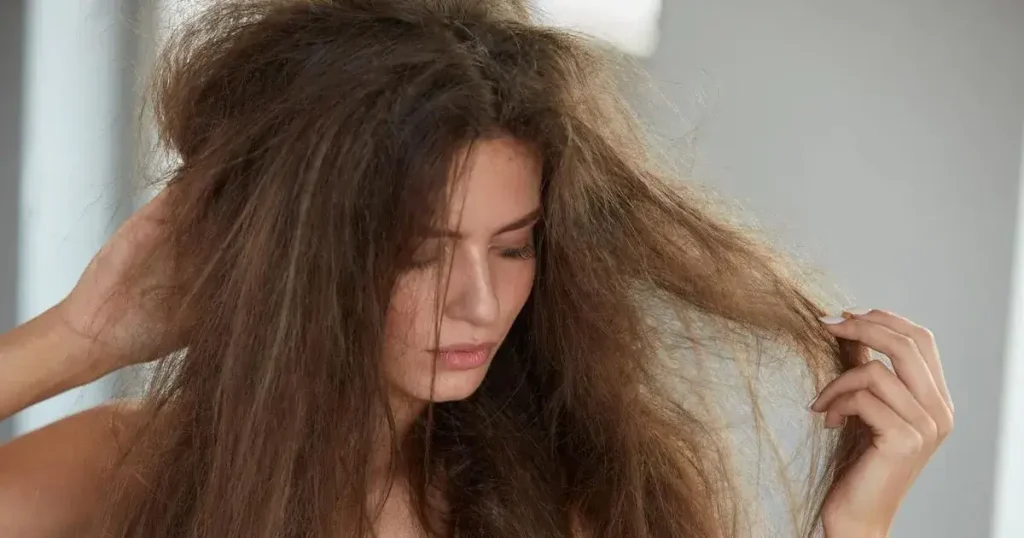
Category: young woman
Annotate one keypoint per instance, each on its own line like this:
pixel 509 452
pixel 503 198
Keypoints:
pixel 418 274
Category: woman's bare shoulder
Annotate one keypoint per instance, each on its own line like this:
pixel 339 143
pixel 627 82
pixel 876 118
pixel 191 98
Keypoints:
pixel 53 481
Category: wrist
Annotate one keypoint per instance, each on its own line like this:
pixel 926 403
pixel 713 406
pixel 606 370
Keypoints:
pixel 47 347
pixel 38 360
pixel 82 358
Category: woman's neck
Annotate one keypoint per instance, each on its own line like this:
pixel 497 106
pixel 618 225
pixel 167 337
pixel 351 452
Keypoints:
pixel 390 488
pixel 405 411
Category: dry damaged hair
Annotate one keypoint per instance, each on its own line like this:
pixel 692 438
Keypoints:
pixel 315 140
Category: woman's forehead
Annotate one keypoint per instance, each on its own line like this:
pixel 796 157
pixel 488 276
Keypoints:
pixel 498 184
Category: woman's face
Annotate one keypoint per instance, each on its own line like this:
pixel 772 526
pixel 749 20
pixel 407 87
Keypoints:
pixel 486 255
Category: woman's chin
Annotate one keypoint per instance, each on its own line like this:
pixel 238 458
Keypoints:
pixel 451 386
pixel 459 385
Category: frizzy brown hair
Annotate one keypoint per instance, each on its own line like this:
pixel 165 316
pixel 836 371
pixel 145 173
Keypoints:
pixel 315 140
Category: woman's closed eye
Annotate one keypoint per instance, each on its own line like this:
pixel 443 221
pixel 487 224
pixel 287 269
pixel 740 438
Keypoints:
pixel 525 252
pixel 430 252
pixel 433 251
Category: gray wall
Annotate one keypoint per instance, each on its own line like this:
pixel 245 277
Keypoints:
pixel 79 158
pixel 11 54
pixel 883 139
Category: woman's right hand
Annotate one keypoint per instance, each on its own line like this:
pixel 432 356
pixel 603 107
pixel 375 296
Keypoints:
pixel 54 480
pixel 123 303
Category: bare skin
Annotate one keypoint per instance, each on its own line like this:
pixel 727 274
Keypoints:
pixel 52 480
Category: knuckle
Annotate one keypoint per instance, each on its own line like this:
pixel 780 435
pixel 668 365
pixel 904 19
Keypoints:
pixel 915 441
pixel 876 370
pixel 860 397
pixel 924 334
pixel 929 430
pixel 944 426
pixel 909 442
pixel 905 345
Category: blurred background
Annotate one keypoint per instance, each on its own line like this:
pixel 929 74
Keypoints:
pixel 883 140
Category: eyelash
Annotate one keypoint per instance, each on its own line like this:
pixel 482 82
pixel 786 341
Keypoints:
pixel 525 252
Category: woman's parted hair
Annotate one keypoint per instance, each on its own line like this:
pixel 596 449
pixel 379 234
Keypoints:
pixel 315 140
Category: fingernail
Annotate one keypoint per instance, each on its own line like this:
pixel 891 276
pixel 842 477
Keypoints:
pixel 831 320
pixel 858 311
pixel 814 401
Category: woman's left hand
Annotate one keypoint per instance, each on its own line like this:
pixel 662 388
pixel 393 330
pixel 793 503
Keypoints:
pixel 908 409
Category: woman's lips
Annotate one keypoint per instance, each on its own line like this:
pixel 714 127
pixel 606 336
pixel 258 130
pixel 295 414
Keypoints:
pixel 465 356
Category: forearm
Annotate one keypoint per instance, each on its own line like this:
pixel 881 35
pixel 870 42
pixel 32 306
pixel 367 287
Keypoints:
pixel 40 359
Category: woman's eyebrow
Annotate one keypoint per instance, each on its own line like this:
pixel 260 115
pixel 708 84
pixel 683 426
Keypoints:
pixel 520 223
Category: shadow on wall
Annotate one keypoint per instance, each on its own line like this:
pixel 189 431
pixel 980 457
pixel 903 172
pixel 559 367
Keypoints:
pixel 12 17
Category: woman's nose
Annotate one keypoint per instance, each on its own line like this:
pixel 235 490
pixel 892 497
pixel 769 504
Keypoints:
pixel 471 293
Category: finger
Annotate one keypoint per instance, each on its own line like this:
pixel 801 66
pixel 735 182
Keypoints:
pixel 881 382
pixel 906 360
pixel 893 435
pixel 921 336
